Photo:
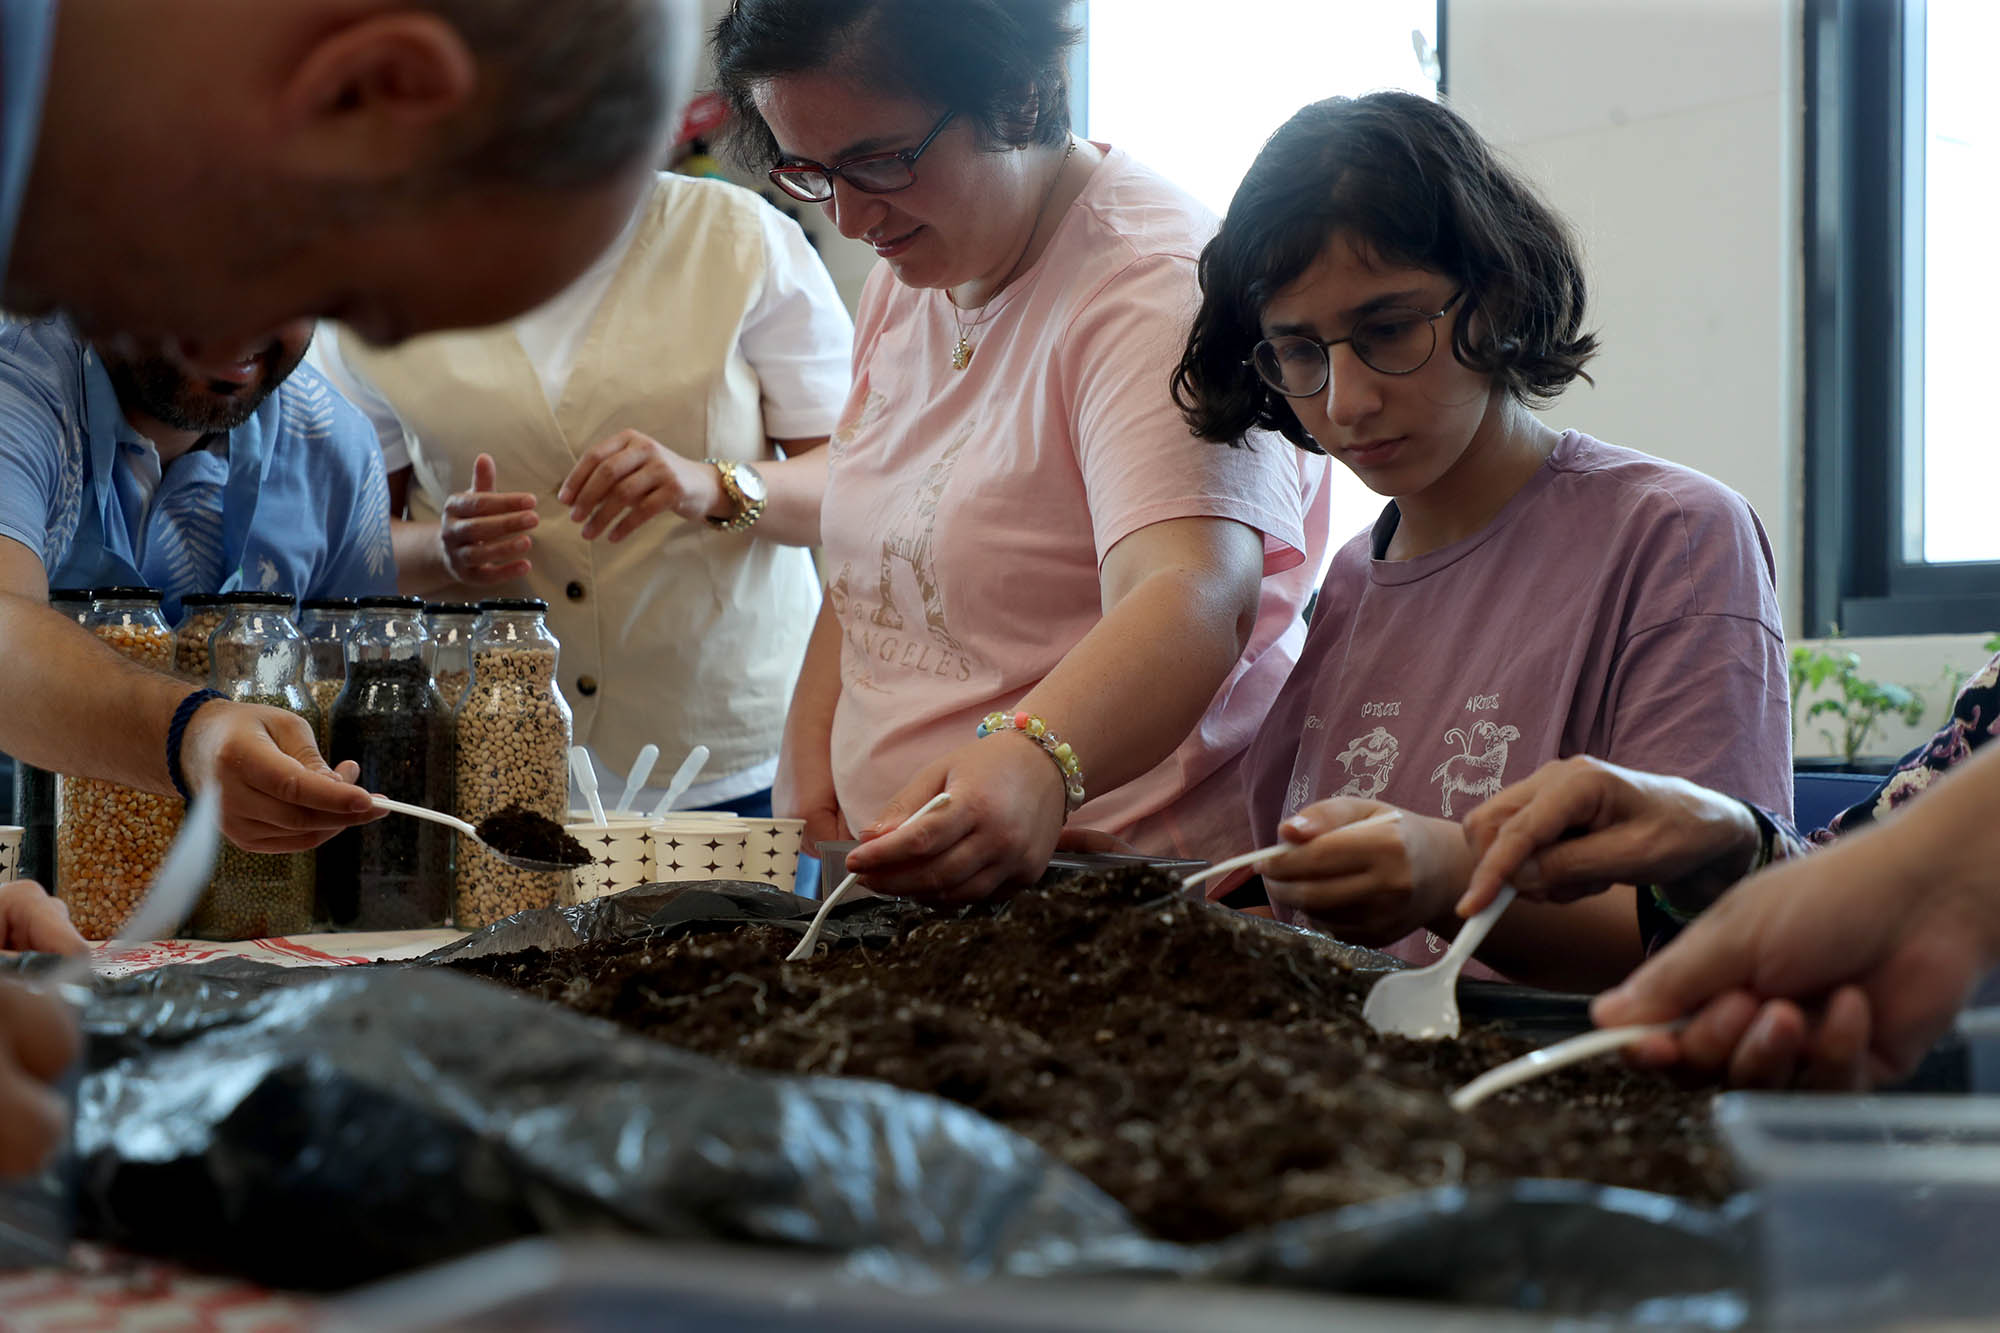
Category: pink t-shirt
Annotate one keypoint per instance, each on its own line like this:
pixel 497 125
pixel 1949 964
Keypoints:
pixel 967 512
pixel 1618 606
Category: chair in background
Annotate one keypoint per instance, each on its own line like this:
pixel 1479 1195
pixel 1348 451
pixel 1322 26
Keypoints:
pixel 1818 796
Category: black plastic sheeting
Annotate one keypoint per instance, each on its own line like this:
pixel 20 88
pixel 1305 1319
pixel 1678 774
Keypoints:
pixel 318 1128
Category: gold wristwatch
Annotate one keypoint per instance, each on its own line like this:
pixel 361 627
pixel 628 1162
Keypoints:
pixel 744 486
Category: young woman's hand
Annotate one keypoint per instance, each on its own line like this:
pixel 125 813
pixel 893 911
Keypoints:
pixel 1372 885
pixel 483 533
pixel 1577 826
pixel 999 828
pixel 624 482
pixel 33 922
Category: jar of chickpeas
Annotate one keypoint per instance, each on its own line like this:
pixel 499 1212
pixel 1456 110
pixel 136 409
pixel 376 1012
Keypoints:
pixel 323 623
pixel 513 749
pixel 35 788
pixel 257 657
pixel 201 612
pixel 451 625
pixel 110 839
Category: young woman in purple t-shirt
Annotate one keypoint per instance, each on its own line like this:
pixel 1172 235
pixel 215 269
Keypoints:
pixel 1385 291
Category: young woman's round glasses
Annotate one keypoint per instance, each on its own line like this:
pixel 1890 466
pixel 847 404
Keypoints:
pixel 1394 340
pixel 871 173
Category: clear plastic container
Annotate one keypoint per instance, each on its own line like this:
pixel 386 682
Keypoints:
pixel 513 749
pixel 35 788
pixel 452 625
pixel 1870 1210
pixel 110 839
pixel 323 623
pixel 257 657
pixel 395 873
pixel 201 614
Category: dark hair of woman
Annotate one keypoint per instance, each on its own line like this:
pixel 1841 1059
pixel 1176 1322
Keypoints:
pixel 1003 64
pixel 1411 184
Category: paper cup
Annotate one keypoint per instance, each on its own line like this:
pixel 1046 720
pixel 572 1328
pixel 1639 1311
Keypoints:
pixel 621 855
pixel 10 851
pixel 687 849
pixel 772 853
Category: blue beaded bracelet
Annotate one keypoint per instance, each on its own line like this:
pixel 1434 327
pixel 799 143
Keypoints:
pixel 177 731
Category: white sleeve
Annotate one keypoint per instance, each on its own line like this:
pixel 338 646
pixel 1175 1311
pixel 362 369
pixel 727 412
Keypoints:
pixel 798 336
pixel 328 358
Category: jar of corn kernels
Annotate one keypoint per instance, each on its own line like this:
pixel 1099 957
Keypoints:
pixel 110 839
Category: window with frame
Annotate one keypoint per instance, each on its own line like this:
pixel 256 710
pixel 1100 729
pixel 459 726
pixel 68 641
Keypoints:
pixel 1903 175
pixel 1192 88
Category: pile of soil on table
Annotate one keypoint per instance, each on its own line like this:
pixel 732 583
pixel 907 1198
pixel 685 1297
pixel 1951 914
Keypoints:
pixel 1208 1072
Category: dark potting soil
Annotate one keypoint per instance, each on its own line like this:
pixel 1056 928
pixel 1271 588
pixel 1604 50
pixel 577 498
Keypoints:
pixel 1208 1073
pixel 394 873
pixel 515 830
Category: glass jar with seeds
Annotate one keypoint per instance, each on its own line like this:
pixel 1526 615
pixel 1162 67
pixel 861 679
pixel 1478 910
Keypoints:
pixel 324 622
pixel 110 839
pixel 35 788
pixel 513 749
pixel 451 625
pixel 393 874
pixel 201 613
pixel 257 656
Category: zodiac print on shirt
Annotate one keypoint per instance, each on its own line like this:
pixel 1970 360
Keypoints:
pixel 1376 753
pixel 1478 775
pixel 912 541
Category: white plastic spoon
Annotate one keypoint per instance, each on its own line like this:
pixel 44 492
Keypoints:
pixel 176 887
pixel 642 768
pixel 1221 868
pixel 1422 1004
pixel 1551 1058
pixel 811 940
pixel 454 822
pixel 683 778
pixel 586 778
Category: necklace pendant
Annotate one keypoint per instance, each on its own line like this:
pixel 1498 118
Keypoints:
pixel 961 355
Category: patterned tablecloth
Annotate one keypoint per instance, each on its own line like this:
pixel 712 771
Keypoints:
pixel 108 1291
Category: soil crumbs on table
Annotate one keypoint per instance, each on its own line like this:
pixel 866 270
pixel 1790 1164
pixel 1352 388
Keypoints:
pixel 515 830
pixel 1209 1072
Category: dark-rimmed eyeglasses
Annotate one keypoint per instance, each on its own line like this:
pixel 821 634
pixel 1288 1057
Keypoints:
pixel 1394 340
pixel 871 173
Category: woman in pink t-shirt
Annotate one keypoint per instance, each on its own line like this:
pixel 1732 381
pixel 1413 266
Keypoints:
pixel 1385 290
pixel 1016 520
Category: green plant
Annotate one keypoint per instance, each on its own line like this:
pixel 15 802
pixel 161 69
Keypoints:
pixel 1857 704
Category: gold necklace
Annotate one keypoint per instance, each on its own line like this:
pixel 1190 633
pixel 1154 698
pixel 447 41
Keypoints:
pixel 961 352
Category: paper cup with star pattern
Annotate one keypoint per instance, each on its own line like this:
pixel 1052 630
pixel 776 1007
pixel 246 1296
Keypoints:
pixel 698 848
pixel 621 853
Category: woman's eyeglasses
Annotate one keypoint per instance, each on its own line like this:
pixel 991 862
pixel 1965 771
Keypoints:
pixel 871 173
pixel 1394 340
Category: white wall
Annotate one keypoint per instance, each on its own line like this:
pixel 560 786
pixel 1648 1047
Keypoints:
pixel 1670 133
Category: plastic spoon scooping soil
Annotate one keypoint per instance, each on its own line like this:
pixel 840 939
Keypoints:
pixel 1422 1004
pixel 453 821
pixel 683 777
pixel 1551 1058
pixel 1221 868
pixel 811 940
pixel 176 886
pixel 642 768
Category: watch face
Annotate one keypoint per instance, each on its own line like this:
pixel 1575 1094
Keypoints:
pixel 751 483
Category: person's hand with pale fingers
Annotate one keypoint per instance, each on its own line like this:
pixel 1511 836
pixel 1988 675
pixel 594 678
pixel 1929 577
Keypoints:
pixel 278 795
pixel 38 1040
pixel 629 479
pixel 1577 826
pixel 1370 885
pixel 1871 945
pixel 33 922
pixel 999 828
pixel 485 533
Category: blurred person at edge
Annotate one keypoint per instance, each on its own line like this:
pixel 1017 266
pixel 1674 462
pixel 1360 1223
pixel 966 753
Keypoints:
pixel 400 164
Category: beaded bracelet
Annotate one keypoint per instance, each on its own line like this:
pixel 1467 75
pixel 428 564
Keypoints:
pixel 1052 745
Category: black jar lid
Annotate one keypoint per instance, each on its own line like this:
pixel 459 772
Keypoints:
pixel 390 603
pixel 195 599
pixel 328 604
pixel 451 608
pixel 514 604
pixel 72 596
pixel 125 594
pixel 270 599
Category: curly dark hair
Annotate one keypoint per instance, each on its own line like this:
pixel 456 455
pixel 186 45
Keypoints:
pixel 1411 182
pixel 1002 64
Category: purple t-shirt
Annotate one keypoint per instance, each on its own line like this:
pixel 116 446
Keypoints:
pixel 1618 606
